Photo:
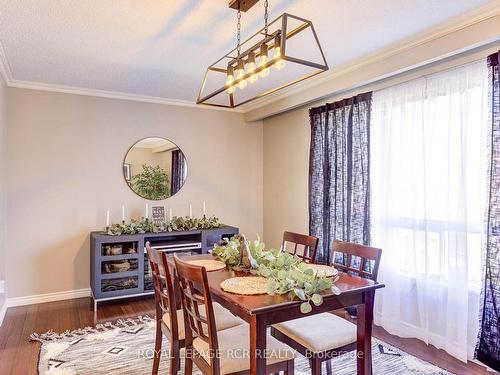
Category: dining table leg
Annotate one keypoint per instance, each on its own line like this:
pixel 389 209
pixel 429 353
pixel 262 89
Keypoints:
pixel 364 335
pixel 258 344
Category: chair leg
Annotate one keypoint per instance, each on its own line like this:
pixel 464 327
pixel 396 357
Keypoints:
pixel 188 365
pixel 157 352
pixel 315 366
pixel 175 358
pixel 329 367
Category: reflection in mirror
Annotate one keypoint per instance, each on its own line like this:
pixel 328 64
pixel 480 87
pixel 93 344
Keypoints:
pixel 155 168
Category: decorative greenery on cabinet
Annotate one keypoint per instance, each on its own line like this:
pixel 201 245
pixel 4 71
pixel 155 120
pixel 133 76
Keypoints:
pixel 146 225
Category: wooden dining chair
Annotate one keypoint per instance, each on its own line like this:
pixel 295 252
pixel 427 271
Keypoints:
pixel 301 245
pixel 172 324
pixel 219 351
pixel 324 336
pixel 356 259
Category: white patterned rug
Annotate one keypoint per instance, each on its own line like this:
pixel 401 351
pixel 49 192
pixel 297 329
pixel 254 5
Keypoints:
pixel 125 347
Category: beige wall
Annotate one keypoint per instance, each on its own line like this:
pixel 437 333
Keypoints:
pixel 286 170
pixel 3 96
pixel 64 170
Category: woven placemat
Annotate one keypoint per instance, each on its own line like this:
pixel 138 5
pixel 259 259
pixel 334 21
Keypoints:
pixel 323 270
pixel 250 285
pixel 209 264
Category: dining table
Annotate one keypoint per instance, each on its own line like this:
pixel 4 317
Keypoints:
pixel 263 310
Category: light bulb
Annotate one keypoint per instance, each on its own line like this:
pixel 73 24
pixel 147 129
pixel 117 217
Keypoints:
pixel 240 73
pixel 230 80
pixel 280 63
pixel 251 67
pixel 263 60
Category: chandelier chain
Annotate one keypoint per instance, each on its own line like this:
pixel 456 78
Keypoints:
pixel 238 36
pixel 265 16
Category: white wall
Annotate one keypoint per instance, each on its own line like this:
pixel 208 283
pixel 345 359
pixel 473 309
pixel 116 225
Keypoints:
pixel 64 170
pixel 3 96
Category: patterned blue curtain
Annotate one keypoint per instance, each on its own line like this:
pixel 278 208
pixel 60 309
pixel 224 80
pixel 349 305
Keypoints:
pixel 339 173
pixel 488 348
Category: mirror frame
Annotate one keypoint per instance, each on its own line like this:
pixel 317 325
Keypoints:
pixel 125 159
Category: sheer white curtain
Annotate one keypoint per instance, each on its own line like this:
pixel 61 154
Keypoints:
pixel 428 196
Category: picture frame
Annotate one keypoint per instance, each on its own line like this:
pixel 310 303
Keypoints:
pixel 158 214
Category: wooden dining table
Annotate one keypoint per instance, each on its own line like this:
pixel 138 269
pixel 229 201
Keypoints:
pixel 261 311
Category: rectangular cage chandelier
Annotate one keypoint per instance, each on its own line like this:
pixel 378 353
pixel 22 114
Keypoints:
pixel 282 53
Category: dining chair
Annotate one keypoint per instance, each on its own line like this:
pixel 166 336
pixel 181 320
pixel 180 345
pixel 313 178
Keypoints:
pixel 322 337
pixel 172 325
pixel 301 245
pixel 219 351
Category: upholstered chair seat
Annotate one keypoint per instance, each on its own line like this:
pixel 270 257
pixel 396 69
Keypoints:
pixel 234 349
pixel 319 333
pixel 223 319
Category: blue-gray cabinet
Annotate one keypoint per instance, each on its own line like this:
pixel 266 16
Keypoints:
pixel 119 266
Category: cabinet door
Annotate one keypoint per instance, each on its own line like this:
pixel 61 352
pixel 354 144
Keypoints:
pixel 117 268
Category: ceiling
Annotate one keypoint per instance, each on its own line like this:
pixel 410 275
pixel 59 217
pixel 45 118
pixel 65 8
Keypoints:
pixel 161 48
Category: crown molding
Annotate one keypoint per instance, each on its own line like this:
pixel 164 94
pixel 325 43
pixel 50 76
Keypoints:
pixel 452 26
pixel 6 73
pixel 112 95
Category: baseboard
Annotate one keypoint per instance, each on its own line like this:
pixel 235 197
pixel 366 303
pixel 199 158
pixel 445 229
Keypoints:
pixel 48 297
pixel 3 311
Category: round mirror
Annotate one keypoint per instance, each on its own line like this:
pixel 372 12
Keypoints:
pixel 155 168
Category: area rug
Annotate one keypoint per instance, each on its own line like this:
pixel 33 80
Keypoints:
pixel 125 347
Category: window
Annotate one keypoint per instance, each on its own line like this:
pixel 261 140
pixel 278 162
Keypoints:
pixel 428 187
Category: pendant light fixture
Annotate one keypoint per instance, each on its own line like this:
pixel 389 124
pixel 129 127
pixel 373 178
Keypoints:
pixel 263 63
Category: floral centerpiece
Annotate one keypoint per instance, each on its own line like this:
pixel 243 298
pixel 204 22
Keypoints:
pixel 285 273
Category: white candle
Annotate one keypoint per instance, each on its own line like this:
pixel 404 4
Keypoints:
pixel 170 213
pixel 204 208
pixel 147 211
pixel 107 218
pixel 190 211
pixel 123 213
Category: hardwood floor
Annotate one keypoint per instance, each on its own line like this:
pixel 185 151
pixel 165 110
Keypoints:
pixel 19 356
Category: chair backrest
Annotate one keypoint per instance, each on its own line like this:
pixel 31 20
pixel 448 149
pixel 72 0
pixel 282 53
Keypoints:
pixel 301 245
pixel 163 287
pixel 196 292
pixel 357 259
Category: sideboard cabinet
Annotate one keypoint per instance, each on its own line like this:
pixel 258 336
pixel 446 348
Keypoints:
pixel 119 265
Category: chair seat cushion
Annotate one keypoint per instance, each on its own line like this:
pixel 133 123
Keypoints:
pixel 223 319
pixel 234 349
pixel 320 332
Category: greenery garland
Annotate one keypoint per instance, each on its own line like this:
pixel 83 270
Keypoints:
pixel 286 273
pixel 146 225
